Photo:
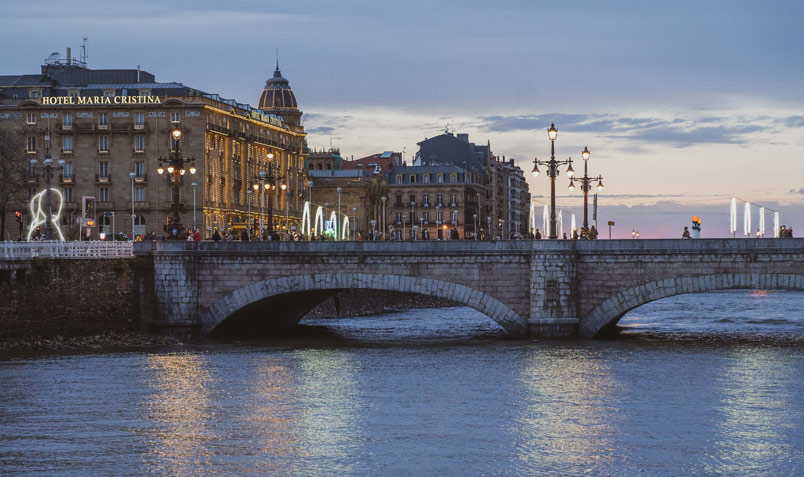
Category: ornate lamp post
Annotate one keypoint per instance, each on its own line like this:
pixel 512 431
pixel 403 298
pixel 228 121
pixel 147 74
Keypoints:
pixel 586 185
pixel 175 166
pixel 266 181
pixel 133 176
pixel 338 231
pixel 552 173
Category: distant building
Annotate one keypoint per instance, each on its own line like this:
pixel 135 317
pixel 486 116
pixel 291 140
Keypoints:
pixel 385 161
pixel 360 198
pixel 106 124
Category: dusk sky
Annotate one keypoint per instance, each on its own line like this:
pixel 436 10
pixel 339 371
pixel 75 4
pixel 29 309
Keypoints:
pixel 683 104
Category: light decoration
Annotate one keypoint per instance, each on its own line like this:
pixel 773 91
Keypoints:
pixel 318 228
pixel 306 218
pixel 560 232
pixel 572 223
pixel 345 228
pixel 747 219
pixel 39 216
pixel 545 218
pixel 776 225
pixel 762 221
pixel 733 217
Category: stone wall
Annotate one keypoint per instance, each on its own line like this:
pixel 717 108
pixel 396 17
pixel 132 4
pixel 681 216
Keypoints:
pixel 372 302
pixel 47 297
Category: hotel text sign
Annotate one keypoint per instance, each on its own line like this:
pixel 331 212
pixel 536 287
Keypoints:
pixel 98 100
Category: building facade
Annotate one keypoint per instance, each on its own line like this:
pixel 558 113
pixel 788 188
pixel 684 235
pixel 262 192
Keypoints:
pixel 112 130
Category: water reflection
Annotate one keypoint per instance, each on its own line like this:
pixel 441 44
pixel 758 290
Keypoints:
pixel 567 416
pixel 178 410
pixel 756 422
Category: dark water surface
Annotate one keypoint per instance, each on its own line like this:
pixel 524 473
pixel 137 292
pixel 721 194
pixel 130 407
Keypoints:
pixel 705 384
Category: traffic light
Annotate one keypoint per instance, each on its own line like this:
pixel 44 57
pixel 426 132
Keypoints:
pixel 18 214
pixel 100 228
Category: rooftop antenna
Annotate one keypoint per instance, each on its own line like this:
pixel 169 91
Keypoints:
pixel 85 50
pixel 277 59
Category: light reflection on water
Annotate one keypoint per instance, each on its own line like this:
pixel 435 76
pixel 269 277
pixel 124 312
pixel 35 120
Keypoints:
pixel 448 396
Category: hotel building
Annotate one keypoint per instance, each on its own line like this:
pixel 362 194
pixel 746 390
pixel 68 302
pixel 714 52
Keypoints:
pixel 112 130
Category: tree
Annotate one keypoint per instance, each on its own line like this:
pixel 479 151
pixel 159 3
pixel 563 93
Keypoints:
pixel 13 173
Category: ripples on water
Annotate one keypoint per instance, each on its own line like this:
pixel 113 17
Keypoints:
pixel 428 392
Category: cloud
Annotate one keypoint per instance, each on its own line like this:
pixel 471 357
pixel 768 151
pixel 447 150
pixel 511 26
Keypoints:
pixel 320 130
pixel 794 121
pixel 796 191
pixel 685 137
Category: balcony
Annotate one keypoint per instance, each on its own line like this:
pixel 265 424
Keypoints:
pixel 102 179
pixel 67 179
pixel 140 178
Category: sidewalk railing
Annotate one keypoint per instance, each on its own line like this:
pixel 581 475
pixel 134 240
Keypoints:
pixel 55 249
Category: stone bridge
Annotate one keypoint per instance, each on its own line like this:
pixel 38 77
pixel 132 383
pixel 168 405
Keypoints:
pixel 530 288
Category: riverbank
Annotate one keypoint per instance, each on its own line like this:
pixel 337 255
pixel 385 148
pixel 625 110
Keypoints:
pixel 105 341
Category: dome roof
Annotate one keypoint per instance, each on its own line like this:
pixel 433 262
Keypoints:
pixel 277 95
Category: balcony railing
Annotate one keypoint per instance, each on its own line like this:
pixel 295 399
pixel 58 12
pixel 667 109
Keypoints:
pixel 55 249
pixel 102 179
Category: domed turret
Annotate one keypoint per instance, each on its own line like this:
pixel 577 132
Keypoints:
pixel 277 98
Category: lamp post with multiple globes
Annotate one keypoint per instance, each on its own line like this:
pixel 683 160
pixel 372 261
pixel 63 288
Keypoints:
pixel 586 186
pixel 174 164
pixel 268 182
pixel 552 173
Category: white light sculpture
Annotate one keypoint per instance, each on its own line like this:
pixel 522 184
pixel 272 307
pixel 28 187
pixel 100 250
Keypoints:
pixel 733 217
pixel 39 215
pixel 747 219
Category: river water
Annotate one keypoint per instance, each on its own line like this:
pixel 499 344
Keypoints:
pixel 700 384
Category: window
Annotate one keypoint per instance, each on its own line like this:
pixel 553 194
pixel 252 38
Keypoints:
pixel 399 178
pixel 413 178
pixel 398 202
pixel 103 194
pixel 452 200
pixel 139 169
pixel 103 169
pixel 103 143
pixel 108 93
pixel 426 200
pixel 30 118
pixel 31 144
pixel 426 216
pixel 103 120
pixel 139 143
pixel 72 94
pixel 68 169
pixel 172 144
pixel 67 121
pixel 139 220
pixel 139 120
pixel 36 93
pixel 412 199
pixel 175 117
pixel 139 194
pixel 399 217
pixel 426 178
pixel 440 217
pixel 453 178
pixel 440 178
pixel 145 92
pixel 68 194
pixel 438 201
pixel 67 143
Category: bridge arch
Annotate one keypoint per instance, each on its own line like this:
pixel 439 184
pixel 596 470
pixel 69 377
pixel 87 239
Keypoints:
pixel 608 313
pixel 273 287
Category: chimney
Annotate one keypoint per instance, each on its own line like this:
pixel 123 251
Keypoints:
pixel 463 137
pixel 69 55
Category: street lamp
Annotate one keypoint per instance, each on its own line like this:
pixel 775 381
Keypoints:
pixel 421 224
pixel 413 216
pixel 404 236
pixel 175 166
pixel 248 217
pixel 634 234
pixel 287 213
pixel 384 224
pixel 194 184
pixel 354 216
pixel 267 181
pixel 475 217
pixel 310 192
pixel 552 173
pixel 47 171
pixel 338 232
pixel 586 186
pixel 133 215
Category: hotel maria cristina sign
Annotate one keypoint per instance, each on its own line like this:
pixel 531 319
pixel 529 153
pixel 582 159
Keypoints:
pixel 98 100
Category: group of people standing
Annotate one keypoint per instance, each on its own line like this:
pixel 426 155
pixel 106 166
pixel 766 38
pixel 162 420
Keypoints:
pixel 584 233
